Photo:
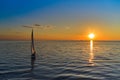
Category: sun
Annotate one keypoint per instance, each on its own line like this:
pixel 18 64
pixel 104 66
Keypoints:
pixel 91 35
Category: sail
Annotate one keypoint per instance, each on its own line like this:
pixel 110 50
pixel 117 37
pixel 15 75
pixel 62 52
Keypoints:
pixel 32 43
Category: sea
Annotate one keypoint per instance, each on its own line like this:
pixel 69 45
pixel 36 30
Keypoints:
pixel 60 60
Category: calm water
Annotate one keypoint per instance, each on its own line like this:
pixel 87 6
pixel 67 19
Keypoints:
pixel 60 60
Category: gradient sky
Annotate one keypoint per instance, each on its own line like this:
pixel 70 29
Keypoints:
pixel 60 19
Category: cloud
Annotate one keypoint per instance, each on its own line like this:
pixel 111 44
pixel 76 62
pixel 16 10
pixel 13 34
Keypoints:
pixel 49 27
pixel 27 26
pixel 42 27
pixel 37 25
pixel 34 26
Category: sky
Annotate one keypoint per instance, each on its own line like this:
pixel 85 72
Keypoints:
pixel 59 19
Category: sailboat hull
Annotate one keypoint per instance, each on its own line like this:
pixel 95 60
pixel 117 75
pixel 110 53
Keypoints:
pixel 33 56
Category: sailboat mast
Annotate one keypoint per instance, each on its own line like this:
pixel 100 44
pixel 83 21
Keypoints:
pixel 32 43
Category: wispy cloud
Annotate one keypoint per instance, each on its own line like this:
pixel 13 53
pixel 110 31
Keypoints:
pixel 42 27
pixel 27 26
pixel 49 27
pixel 37 25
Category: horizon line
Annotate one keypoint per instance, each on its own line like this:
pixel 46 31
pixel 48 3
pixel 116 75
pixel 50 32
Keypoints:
pixel 61 40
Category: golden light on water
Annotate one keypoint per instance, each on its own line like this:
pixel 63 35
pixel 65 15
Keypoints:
pixel 91 57
pixel 91 35
pixel 91 54
pixel 91 46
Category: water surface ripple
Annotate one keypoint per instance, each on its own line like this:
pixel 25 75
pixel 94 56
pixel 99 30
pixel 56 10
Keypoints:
pixel 60 60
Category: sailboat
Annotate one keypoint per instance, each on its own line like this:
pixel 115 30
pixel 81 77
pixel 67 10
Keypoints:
pixel 33 52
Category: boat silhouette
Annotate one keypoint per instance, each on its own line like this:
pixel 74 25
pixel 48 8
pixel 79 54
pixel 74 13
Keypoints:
pixel 33 52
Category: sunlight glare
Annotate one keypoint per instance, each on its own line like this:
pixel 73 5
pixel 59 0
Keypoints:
pixel 91 35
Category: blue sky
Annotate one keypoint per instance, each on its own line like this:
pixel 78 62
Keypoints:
pixel 56 9
pixel 15 13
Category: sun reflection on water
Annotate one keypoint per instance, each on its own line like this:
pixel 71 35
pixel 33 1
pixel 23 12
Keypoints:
pixel 91 53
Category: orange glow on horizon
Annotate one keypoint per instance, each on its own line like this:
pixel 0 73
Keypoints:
pixel 71 34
